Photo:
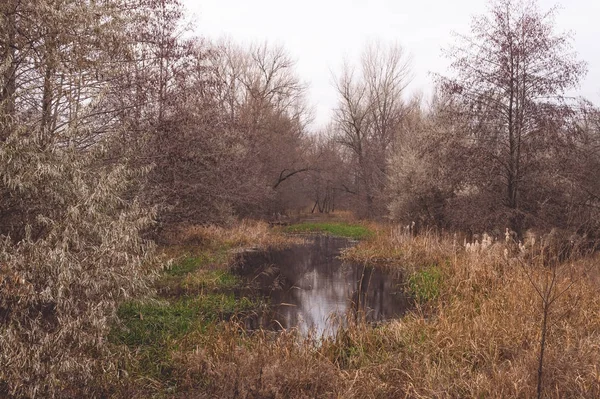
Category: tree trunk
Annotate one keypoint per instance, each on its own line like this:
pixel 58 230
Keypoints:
pixel 542 349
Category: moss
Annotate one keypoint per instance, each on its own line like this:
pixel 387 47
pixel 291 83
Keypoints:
pixel 337 229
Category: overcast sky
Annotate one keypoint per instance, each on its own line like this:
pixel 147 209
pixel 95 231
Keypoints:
pixel 320 34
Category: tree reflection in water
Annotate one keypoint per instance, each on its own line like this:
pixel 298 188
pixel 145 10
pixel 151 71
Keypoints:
pixel 311 288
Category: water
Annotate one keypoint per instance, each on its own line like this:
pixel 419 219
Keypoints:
pixel 310 288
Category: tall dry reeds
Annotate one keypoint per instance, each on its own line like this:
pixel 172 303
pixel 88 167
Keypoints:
pixel 392 246
pixel 234 364
pixel 483 336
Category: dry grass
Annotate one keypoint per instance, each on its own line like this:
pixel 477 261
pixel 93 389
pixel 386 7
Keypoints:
pixel 391 247
pixel 478 336
pixel 245 234
pixel 264 365
pixel 481 336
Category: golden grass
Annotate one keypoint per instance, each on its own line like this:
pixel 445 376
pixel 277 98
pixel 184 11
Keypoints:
pixel 264 365
pixel 478 338
pixel 481 338
pixel 389 247
pixel 246 233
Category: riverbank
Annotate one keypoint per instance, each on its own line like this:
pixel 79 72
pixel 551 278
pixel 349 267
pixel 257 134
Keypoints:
pixel 476 330
pixel 196 296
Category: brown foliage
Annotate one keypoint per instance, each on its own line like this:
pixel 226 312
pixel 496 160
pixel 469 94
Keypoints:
pixel 76 254
pixel 512 72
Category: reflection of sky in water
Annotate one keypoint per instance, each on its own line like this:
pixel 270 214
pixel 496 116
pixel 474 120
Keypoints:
pixel 321 299
pixel 318 288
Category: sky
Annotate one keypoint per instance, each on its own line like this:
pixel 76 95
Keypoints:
pixel 321 34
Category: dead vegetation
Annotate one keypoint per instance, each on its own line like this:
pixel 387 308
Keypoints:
pixel 113 118
pixel 264 365
pixel 396 246
pixel 243 234
pixel 478 335
pixel 79 255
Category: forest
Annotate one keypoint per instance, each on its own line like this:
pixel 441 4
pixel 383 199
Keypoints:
pixel 137 159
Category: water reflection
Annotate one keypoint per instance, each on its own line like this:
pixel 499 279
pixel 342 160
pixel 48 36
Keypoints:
pixel 310 288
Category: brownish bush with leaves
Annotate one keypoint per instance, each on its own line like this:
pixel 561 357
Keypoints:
pixel 74 255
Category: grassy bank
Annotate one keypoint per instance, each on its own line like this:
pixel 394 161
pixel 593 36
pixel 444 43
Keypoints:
pixel 476 329
pixel 339 229
pixel 194 297
pixel 197 295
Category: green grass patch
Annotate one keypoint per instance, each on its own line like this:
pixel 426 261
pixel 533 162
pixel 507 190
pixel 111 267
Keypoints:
pixel 185 266
pixel 196 293
pixel 215 307
pixel 151 329
pixel 194 275
pixel 425 285
pixel 337 229
pixel 156 322
pixel 155 329
pixel 190 264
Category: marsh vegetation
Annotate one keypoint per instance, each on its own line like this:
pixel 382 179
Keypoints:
pixel 142 168
pixel 472 326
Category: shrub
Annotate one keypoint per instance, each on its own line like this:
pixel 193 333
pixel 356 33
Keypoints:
pixel 75 253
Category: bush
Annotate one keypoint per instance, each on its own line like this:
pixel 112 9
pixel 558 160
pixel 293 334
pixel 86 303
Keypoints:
pixel 73 253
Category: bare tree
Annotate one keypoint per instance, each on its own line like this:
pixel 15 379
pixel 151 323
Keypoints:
pixel 265 100
pixel 369 115
pixel 57 67
pixel 326 185
pixel 510 76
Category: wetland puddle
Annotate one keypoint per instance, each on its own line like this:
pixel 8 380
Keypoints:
pixel 310 288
